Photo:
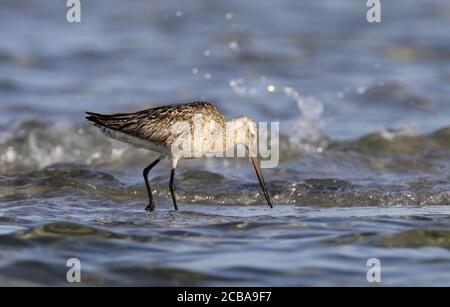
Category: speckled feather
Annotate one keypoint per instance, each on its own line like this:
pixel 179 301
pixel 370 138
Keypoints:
pixel 155 125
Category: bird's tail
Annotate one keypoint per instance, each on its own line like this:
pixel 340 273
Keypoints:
pixel 112 121
pixel 95 118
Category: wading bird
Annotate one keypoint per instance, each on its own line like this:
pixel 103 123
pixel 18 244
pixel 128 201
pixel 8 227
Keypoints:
pixel 182 131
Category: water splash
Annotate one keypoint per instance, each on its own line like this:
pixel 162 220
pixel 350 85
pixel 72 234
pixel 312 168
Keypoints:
pixel 308 127
pixel 31 144
pixel 239 87
pixel 305 131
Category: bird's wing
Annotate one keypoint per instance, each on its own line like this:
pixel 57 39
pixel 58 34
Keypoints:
pixel 156 124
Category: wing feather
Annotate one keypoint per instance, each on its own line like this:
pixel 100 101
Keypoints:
pixel 155 124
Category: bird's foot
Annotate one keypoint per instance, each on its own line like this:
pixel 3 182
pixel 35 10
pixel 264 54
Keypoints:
pixel 150 207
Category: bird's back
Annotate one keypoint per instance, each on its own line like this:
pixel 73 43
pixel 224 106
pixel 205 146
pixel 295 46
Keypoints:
pixel 155 125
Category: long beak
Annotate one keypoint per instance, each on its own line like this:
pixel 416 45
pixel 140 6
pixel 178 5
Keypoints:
pixel 261 180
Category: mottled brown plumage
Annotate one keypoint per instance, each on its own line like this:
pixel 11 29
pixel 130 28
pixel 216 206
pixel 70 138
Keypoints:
pixel 154 125
pixel 181 131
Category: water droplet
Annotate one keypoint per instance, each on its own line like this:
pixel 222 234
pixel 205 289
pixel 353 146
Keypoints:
pixel 10 155
pixel 361 90
pixel 234 45
pixel 271 88
pixel 238 86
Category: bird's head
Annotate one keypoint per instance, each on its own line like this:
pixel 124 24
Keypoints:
pixel 244 131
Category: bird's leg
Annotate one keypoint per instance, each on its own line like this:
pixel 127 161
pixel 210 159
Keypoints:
pixel 151 205
pixel 173 162
pixel 172 188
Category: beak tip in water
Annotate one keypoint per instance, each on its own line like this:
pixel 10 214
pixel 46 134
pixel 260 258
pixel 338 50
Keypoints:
pixel 261 181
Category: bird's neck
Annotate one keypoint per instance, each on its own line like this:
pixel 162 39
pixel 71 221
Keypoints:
pixel 235 134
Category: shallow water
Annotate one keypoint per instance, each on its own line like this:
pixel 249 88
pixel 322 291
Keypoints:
pixel 364 166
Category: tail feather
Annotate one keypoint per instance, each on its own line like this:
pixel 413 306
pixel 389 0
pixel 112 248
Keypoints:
pixel 93 117
pixel 92 114
pixel 112 121
pixel 117 116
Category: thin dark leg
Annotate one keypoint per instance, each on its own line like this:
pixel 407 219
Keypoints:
pixel 151 204
pixel 172 188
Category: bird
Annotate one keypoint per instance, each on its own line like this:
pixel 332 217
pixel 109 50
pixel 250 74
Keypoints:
pixel 182 131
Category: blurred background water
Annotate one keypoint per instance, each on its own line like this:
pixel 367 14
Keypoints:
pixel 365 141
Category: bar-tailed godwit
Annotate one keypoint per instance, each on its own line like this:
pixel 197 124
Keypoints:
pixel 161 128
